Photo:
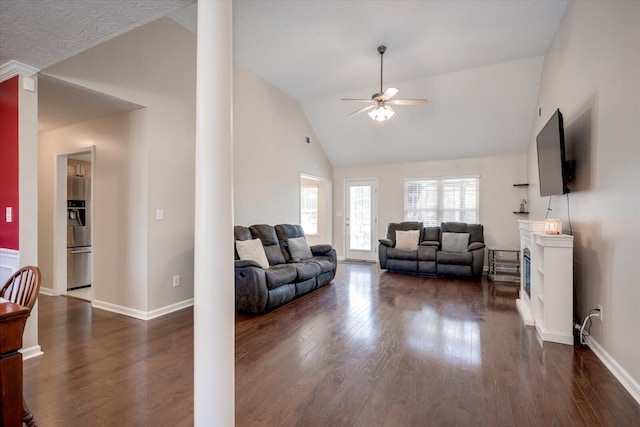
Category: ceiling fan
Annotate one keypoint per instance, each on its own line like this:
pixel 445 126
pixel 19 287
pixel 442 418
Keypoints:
pixel 380 102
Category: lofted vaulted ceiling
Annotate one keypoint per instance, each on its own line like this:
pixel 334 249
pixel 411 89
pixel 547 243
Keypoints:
pixel 478 62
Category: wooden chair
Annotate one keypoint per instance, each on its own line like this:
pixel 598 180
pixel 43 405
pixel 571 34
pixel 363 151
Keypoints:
pixel 22 288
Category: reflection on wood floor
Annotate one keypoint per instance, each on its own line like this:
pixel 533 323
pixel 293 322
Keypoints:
pixel 371 349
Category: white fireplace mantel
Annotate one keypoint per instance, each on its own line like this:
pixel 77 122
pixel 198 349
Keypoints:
pixel 549 303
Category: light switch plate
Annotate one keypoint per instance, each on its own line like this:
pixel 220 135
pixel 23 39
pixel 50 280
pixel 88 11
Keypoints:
pixel 159 214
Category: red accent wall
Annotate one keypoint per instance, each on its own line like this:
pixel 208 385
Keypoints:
pixel 9 232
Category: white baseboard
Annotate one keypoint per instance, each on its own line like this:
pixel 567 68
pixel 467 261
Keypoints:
pixel 618 371
pixel 47 291
pixel 169 309
pixel 139 314
pixel 31 352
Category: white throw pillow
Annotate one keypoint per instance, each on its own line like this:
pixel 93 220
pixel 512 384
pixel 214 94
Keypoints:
pixel 455 242
pixel 252 250
pixel 299 249
pixel 407 240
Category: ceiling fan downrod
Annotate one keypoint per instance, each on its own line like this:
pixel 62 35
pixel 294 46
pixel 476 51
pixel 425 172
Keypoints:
pixel 381 50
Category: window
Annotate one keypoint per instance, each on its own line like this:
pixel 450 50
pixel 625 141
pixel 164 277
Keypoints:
pixel 309 209
pixel 433 201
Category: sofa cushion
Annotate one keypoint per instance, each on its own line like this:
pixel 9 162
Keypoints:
pixel 270 242
pixel 285 232
pixel 455 242
pixel 306 270
pixel 464 258
pixel 298 249
pixel 406 255
pixel 476 231
pixel 407 240
pixel 431 234
pixel 325 264
pixel 406 225
pixel 279 275
pixel 240 233
pixel 252 250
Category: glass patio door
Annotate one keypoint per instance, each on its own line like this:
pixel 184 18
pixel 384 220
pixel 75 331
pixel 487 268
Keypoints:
pixel 361 222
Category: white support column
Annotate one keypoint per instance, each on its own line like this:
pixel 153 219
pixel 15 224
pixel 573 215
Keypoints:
pixel 214 306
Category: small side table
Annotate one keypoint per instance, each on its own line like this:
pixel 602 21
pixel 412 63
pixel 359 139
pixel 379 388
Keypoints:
pixel 504 265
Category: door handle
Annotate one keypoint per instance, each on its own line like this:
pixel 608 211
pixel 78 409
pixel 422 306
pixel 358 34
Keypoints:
pixel 80 251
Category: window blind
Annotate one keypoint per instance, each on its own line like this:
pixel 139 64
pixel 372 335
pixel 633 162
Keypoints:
pixel 433 201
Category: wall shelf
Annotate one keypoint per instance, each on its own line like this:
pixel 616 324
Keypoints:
pixel 520 213
pixel 521 185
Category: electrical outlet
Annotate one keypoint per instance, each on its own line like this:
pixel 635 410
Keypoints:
pixel 176 281
pixel 601 313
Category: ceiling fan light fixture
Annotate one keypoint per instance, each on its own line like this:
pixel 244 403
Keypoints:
pixel 381 113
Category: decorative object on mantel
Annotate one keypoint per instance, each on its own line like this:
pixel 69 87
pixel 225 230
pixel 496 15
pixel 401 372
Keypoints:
pixel 552 226
pixel 523 205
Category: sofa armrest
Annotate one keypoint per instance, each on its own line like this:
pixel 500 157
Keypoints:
pixel 476 245
pixel 430 243
pixel 321 249
pixel 386 242
pixel 251 289
pixel 245 263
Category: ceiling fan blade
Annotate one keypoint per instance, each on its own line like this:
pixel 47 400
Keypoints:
pixel 408 101
pixel 388 94
pixel 356 99
pixel 362 110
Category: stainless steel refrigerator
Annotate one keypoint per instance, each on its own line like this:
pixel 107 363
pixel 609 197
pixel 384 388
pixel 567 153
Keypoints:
pixel 79 259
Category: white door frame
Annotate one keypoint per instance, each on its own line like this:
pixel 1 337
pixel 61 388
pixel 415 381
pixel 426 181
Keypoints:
pixel 366 255
pixel 60 218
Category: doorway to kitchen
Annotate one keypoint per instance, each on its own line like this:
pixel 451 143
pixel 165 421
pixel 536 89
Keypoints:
pixel 73 223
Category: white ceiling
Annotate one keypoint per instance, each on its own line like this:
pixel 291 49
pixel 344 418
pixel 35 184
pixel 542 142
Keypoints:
pixel 320 51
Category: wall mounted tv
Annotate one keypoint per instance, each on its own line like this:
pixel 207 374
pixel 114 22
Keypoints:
pixel 554 170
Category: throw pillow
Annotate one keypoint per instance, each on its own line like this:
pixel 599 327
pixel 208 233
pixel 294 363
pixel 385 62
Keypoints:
pixel 407 240
pixel 455 242
pixel 252 250
pixel 299 248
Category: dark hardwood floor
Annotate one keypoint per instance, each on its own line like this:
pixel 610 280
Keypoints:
pixel 372 349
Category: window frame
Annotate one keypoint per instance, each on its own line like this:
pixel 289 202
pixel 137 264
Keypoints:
pixel 303 210
pixel 439 209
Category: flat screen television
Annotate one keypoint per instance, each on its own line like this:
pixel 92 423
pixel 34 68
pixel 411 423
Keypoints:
pixel 553 169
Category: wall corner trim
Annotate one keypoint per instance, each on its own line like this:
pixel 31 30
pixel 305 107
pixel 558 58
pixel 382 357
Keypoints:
pixel 14 68
pixel 31 352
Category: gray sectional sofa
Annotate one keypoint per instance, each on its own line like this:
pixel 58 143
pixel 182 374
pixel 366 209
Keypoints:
pixel 259 289
pixel 431 257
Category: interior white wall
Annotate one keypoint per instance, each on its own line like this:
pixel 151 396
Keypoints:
pixel 591 73
pixel 153 66
pixel 118 240
pixel 498 197
pixel 270 152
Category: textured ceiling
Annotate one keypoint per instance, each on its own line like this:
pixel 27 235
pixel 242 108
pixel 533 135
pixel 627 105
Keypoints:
pixel 42 32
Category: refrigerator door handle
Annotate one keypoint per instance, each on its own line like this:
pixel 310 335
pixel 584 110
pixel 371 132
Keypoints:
pixel 80 251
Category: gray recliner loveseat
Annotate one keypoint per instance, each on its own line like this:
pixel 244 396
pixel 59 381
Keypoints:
pixel 261 289
pixel 453 249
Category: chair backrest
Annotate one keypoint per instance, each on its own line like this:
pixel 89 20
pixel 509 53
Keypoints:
pixel 22 287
